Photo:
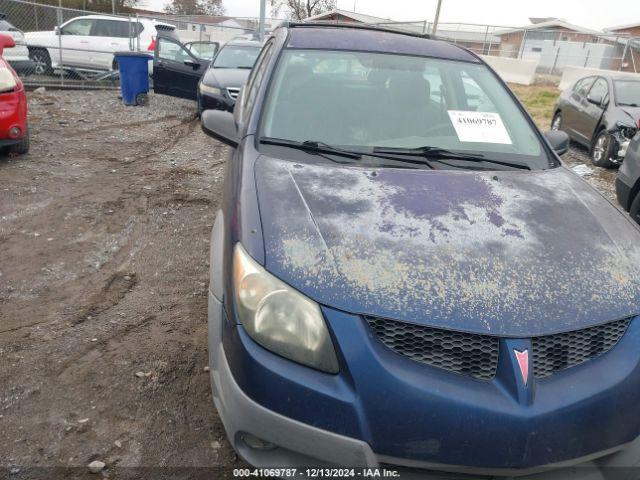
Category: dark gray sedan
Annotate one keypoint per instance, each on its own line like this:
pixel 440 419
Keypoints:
pixel 628 181
pixel 602 113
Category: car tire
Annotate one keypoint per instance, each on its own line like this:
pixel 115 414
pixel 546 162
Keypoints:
pixel 42 61
pixel 21 147
pixel 634 211
pixel 200 107
pixel 556 124
pixel 602 150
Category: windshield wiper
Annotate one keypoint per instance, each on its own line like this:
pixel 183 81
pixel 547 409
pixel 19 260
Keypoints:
pixel 321 148
pixel 624 104
pixel 311 146
pixel 437 154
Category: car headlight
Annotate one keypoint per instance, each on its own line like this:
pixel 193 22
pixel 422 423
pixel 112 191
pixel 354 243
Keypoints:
pixel 210 90
pixel 280 318
pixel 7 80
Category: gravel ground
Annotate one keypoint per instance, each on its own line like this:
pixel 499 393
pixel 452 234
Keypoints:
pixel 104 232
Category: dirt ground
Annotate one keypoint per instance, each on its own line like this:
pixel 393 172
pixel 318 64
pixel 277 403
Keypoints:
pixel 104 233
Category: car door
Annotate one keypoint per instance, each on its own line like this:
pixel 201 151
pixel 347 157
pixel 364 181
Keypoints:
pixel 75 39
pixel 591 113
pixel 108 37
pixel 176 71
pixel 574 105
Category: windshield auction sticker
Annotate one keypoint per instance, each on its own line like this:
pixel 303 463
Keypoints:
pixel 480 127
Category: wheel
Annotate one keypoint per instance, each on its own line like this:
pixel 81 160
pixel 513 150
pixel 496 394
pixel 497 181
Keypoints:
pixel 40 57
pixel 23 146
pixel 602 150
pixel 142 99
pixel 556 124
pixel 634 211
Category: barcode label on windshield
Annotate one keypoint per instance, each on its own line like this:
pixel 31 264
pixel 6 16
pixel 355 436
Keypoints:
pixel 481 127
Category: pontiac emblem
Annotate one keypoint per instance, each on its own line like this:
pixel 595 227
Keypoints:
pixel 523 363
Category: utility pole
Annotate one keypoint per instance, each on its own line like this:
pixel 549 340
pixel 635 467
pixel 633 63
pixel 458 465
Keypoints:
pixel 113 6
pixel 263 10
pixel 435 21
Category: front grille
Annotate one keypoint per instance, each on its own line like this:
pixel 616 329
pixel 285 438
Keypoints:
pixel 554 353
pixel 477 355
pixel 465 353
pixel 233 92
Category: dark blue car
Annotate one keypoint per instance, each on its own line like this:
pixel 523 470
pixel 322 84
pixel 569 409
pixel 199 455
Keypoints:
pixel 404 273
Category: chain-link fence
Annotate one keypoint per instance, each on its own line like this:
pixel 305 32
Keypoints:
pixel 552 47
pixel 66 47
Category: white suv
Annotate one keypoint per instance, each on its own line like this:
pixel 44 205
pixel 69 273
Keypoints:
pixel 89 42
pixel 18 56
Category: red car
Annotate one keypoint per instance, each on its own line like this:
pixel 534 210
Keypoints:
pixel 14 132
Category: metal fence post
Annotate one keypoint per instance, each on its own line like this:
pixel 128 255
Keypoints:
pixel 484 42
pixel 523 44
pixel 59 22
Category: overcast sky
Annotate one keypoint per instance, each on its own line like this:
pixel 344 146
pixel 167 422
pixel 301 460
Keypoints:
pixel 588 13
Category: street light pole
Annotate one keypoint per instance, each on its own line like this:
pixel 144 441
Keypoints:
pixel 263 9
pixel 435 20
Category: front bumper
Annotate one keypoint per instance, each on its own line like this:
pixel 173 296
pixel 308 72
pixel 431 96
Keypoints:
pixel 13 113
pixel 385 409
pixel 25 66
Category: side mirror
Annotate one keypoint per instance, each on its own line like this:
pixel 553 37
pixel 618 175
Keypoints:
pixel 596 99
pixel 558 140
pixel 56 30
pixel 220 125
pixel 189 62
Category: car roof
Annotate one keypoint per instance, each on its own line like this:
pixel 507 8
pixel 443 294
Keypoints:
pixel 110 17
pixel 324 36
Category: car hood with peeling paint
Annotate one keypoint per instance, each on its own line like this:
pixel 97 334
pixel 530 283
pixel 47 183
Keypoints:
pixel 514 254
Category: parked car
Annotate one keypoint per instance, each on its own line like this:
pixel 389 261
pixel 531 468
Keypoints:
pixel 221 83
pixel 602 113
pixel 178 67
pixel 89 42
pixel 628 180
pixel 14 130
pixel 400 279
pixel 18 56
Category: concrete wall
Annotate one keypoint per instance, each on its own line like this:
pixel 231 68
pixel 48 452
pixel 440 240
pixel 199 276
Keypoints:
pixel 571 74
pixel 513 70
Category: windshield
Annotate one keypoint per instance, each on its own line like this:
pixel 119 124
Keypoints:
pixel 627 92
pixel 362 100
pixel 236 57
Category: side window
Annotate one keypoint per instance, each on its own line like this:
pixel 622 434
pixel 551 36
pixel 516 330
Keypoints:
pixel 112 28
pixel 255 79
pixel 600 88
pixel 170 50
pixel 583 86
pixel 78 27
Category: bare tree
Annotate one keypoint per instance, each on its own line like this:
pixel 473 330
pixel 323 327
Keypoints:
pixel 301 9
pixel 195 7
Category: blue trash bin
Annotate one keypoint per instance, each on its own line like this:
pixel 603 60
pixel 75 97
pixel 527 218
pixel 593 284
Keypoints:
pixel 134 76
